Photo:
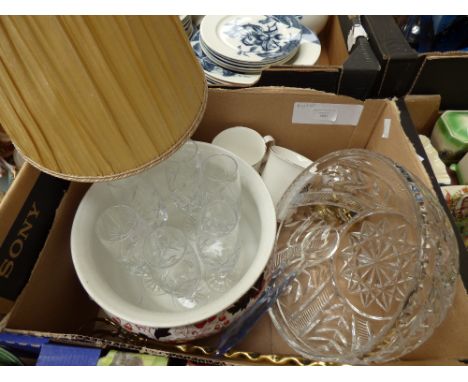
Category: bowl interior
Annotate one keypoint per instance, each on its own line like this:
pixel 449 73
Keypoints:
pixel 124 295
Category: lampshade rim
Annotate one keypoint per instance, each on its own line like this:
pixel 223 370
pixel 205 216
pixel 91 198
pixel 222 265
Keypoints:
pixel 136 170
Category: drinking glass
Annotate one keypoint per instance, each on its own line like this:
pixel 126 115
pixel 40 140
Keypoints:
pixel 183 177
pixel 201 296
pixel 220 179
pixel 182 219
pixel 122 189
pixel 217 240
pixel 141 195
pixel 221 278
pixel 149 204
pixel 171 262
pixel 120 229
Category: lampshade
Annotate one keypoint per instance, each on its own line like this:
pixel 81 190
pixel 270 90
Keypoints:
pixel 91 98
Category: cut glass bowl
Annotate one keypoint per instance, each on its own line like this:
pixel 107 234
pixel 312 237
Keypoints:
pixel 375 256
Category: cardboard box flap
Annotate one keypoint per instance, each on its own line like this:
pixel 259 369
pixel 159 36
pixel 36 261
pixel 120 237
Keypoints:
pixel 370 116
pixel 387 139
pixel 339 54
pixel 424 111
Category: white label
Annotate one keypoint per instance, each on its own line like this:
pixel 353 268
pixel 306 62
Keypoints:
pixel 326 113
pixel 356 31
pixel 386 128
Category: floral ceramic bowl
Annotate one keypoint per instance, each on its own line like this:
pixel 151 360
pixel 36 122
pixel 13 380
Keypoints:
pixel 202 329
pixel 138 309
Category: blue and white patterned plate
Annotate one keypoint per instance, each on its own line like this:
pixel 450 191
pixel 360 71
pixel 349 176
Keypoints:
pixel 238 67
pixel 309 49
pixel 216 74
pixel 251 39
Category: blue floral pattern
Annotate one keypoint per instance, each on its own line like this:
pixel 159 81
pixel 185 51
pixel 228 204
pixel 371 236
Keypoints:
pixel 264 38
pixel 309 35
pixel 205 62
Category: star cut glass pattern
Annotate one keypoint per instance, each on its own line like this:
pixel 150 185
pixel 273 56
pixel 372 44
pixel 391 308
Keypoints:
pixel 376 263
pixel 375 260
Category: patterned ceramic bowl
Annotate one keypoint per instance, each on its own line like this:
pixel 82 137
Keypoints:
pixel 202 329
pixel 136 308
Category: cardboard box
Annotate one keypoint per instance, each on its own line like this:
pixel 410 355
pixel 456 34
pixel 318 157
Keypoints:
pixel 54 304
pixel 405 71
pixel 337 70
pixel 26 215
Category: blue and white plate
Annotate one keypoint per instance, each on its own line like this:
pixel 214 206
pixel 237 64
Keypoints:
pixel 255 40
pixel 309 49
pixel 239 67
pixel 219 75
pixel 186 21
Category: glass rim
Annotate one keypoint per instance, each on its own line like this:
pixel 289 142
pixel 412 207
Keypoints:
pixel 233 173
pixel 187 152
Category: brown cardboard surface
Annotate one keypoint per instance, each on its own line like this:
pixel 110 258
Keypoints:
pixel 54 301
pixel 424 111
pixel 397 145
pixel 339 52
pixel 275 106
pixel 450 339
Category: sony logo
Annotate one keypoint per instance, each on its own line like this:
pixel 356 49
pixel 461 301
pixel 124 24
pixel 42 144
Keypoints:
pixel 16 247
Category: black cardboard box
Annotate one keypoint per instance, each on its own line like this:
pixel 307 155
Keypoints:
pixel 405 71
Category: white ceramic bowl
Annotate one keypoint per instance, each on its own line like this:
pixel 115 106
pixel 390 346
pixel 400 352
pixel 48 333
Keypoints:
pixel 123 297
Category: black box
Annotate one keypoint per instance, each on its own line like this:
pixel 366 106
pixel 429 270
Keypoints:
pixel 405 71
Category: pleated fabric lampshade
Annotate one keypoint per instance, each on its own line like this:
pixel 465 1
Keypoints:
pixel 92 98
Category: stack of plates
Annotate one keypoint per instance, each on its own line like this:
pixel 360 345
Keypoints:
pixel 249 44
pixel 187 23
pixel 233 50
pixel 217 75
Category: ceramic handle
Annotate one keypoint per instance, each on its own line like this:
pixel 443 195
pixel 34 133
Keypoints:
pixel 269 141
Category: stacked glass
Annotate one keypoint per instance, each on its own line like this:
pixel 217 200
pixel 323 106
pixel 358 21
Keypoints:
pixel 186 243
